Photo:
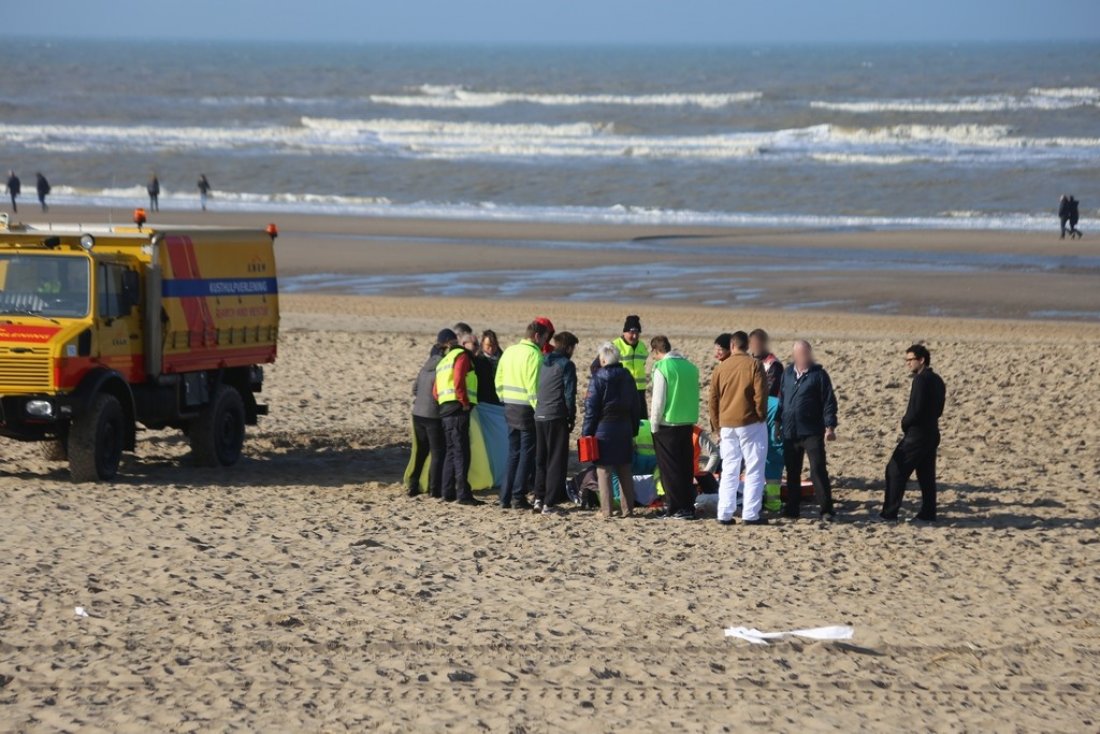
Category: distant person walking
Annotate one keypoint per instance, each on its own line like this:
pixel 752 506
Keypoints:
pixel 1063 214
pixel 153 187
pixel 633 355
pixel 555 416
pixel 917 449
pixel 455 390
pixel 673 415
pixel 15 187
pixel 43 188
pixel 612 413
pixel 739 413
pixel 1074 215
pixel 427 428
pixel 807 419
pixel 517 383
pixel 760 348
pixel 204 190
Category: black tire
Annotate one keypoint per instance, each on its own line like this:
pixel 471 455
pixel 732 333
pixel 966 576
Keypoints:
pixel 96 440
pixel 217 435
pixel 56 450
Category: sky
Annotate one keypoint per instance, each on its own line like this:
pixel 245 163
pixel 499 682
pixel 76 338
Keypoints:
pixel 560 21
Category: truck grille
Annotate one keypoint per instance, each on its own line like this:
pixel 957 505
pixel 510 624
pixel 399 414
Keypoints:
pixel 24 373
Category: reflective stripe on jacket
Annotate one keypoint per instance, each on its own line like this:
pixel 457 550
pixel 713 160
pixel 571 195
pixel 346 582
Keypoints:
pixel 517 379
pixel 445 390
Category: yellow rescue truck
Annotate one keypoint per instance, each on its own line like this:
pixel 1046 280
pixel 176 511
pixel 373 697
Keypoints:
pixel 105 328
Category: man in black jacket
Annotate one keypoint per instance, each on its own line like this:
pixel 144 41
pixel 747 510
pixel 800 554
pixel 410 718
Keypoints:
pixel 1063 213
pixel 1074 216
pixel 555 416
pixel 14 189
pixel 917 449
pixel 42 186
pixel 807 419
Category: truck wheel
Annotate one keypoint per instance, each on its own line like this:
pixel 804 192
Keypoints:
pixel 217 435
pixel 96 439
pixel 57 450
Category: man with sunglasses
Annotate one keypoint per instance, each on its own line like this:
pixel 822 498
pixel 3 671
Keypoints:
pixel 917 449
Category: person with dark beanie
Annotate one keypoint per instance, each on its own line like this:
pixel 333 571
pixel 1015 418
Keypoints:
pixel 921 440
pixel 455 390
pixel 633 355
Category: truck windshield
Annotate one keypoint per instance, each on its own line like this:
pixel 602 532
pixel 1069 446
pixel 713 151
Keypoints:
pixel 45 285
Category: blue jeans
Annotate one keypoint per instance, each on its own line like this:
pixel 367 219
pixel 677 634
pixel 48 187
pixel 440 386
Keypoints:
pixel 521 466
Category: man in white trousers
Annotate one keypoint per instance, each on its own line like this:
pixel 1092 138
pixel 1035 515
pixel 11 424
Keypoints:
pixel 739 412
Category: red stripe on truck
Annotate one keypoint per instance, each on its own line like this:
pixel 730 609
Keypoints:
pixel 177 248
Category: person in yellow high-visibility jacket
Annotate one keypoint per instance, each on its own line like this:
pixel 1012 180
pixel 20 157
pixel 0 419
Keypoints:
pixel 455 390
pixel 633 355
pixel 517 383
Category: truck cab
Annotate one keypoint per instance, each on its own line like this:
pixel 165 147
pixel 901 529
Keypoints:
pixel 103 330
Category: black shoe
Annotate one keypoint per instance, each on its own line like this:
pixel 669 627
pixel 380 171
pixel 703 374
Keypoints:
pixel 448 498
pixel 436 495
pixel 522 505
pixel 826 517
pixel 413 491
pixel 472 501
pixel 922 520
pixel 684 515
pixel 791 515
pixel 883 518
pixel 757 521
pixel 731 521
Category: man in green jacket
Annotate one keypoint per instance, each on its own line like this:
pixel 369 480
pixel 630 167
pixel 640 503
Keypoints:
pixel 673 415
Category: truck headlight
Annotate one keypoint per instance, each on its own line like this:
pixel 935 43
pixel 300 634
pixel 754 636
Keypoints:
pixel 39 408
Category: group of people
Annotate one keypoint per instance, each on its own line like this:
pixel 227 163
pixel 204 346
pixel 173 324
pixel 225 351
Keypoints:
pixel 1069 214
pixel 153 189
pixel 42 186
pixel 15 188
pixel 644 401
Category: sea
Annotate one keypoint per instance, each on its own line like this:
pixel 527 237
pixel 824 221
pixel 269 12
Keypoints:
pixel 978 136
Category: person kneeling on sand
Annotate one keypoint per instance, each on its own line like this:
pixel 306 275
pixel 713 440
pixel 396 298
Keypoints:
pixel 612 413
pixel 455 390
pixel 555 416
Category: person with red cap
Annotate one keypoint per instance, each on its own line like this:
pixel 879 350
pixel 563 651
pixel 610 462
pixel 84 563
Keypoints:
pixel 548 347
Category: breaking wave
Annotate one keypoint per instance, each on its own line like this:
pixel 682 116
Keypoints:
pixel 451 97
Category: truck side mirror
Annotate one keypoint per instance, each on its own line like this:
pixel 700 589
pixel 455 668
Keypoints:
pixel 131 289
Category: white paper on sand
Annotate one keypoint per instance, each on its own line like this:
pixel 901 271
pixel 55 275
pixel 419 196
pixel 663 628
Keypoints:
pixel 80 612
pixel 756 637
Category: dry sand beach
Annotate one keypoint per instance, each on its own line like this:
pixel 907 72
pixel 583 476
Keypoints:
pixel 302 591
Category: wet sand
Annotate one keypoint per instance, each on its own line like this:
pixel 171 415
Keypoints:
pixel 938 273
pixel 302 591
